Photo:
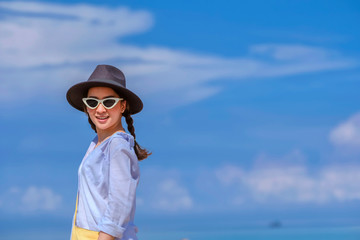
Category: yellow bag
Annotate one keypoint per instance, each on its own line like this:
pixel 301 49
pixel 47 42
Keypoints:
pixel 81 233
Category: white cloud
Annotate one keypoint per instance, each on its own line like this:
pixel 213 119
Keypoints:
pixel 172 196
pixel 57 45
pixel 292 184
pixel 229 174
pixel 347 134
pixel 58 34
pixel 294 157
pixel 40 198
pixel 30 200
pixel 291 52
pixel 164 190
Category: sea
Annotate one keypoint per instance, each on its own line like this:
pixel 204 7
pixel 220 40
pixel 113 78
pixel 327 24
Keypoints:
pixel 341 233
pixel 333 233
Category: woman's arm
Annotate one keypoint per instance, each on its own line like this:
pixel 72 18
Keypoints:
pixel 105 236
pixel 121 190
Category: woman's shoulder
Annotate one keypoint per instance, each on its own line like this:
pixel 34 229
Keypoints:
pixel 117 142
pixel 121 139
pixel 121 142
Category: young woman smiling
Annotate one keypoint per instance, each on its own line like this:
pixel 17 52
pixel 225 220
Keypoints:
pixel 109 173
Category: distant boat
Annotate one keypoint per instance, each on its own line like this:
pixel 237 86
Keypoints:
pixel 275 224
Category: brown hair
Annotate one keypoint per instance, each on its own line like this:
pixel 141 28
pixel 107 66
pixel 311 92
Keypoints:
pixel 140 152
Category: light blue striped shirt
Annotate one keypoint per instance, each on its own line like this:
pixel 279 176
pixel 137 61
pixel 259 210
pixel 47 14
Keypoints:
pixel 108 177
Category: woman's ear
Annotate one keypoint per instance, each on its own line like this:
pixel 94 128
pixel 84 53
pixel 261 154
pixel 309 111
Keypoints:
pixel 123 106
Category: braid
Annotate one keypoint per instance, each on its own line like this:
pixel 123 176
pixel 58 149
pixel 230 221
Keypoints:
pixel 129 122
pixel 141 153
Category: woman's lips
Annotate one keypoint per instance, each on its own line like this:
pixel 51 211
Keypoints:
pixel 102 119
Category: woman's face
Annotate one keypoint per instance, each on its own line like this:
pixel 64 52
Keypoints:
pixel 106 119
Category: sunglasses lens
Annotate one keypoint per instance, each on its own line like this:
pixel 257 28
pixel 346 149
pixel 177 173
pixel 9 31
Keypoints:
pixel 109 103
pixel 92 103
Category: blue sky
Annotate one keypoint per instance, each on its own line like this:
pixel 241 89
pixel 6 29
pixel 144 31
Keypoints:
pixel 251 108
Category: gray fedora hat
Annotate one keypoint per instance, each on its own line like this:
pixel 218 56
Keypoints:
pixel 104 76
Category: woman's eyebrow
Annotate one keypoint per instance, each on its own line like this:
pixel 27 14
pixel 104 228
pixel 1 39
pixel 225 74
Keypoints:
pixel 102 98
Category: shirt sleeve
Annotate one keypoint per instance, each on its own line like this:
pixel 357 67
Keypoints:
pixel 122 188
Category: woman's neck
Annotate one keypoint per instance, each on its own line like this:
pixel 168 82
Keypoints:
pixel 104 134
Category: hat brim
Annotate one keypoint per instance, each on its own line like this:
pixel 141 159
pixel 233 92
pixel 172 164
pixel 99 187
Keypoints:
pixel 75 94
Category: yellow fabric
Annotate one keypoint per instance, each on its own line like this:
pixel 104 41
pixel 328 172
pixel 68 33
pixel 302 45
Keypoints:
pixel 82 233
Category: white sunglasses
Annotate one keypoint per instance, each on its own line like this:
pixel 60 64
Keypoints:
pixel 108 103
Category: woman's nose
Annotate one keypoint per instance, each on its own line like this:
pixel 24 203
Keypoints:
pixel 100 108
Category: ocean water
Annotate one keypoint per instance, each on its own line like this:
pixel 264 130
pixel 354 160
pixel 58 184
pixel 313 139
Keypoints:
pixel 348 233
pixel 344 233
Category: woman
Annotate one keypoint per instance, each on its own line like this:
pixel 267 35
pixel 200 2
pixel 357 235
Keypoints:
pixel 109 172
